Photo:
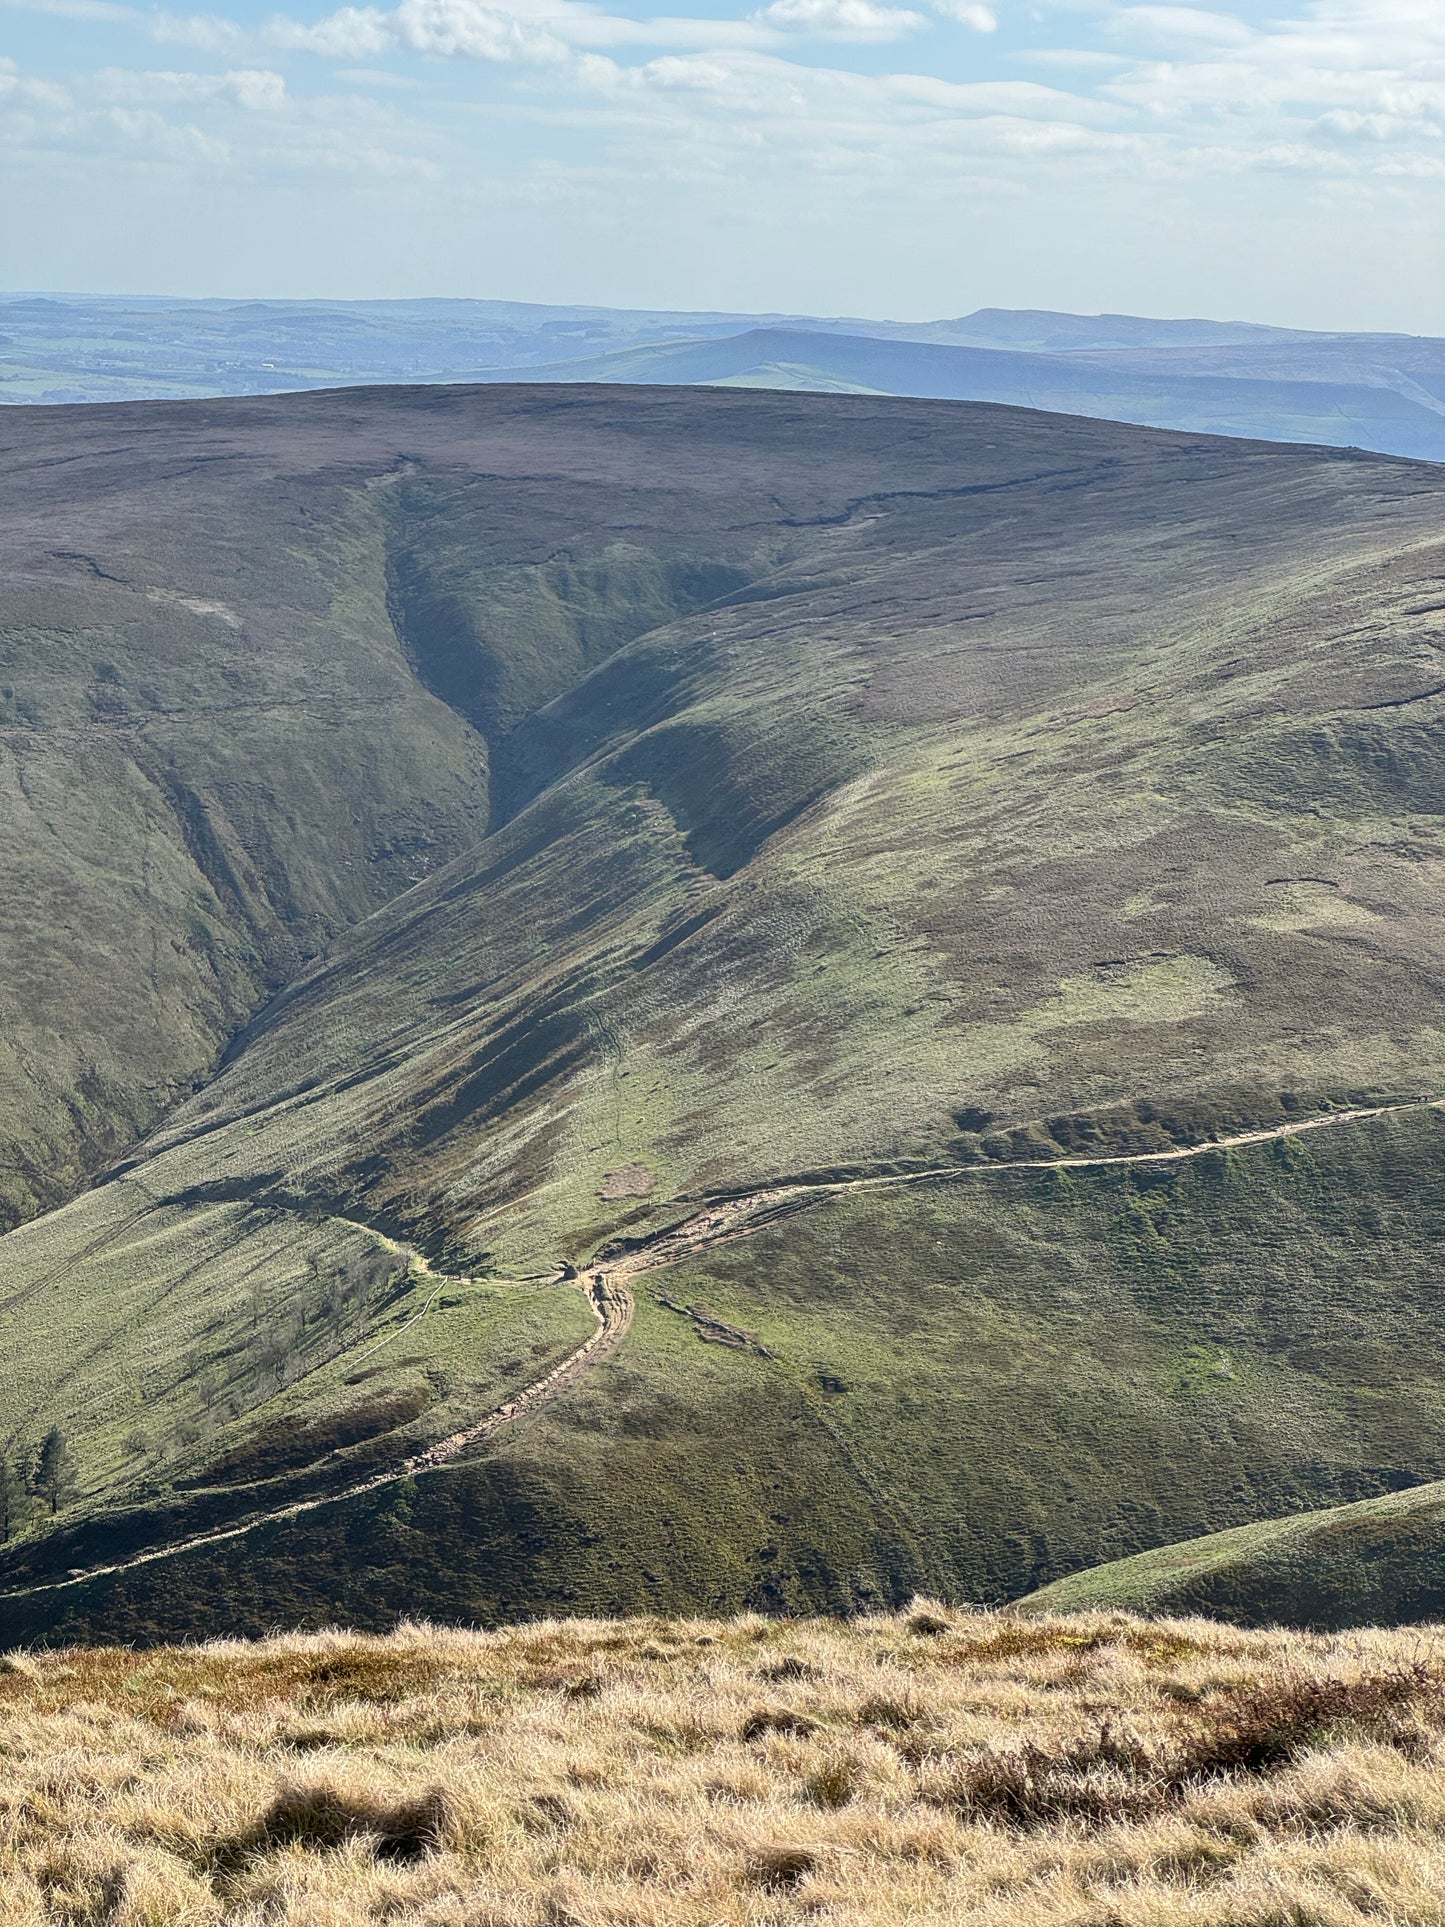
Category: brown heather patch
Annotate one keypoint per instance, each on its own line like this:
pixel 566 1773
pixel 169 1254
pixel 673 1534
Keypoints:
pixel 232 1676
pixel 1098 1771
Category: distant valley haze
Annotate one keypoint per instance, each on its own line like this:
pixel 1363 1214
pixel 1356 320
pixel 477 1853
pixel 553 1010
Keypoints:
pixel 1382 392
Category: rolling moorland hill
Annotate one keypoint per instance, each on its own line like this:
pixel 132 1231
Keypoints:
pixel 215 757
pixel 1384 392
pixel 740 1773
pixel 1376 1560
pixel 925 1072
pixel 89 348
pixel 1353 393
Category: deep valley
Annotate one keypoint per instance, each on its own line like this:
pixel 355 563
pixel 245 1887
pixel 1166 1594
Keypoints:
pixel 662 1000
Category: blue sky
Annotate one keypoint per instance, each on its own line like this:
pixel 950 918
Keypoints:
pixel 903 158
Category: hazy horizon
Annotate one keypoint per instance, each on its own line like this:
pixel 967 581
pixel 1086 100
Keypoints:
pixel 167 297
pixel 1083 156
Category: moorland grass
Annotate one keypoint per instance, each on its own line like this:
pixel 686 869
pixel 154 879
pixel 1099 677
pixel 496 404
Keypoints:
pixel 928 1766
pixel 972 1387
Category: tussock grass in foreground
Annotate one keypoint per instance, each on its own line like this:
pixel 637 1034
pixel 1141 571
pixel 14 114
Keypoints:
pixel 1098 1771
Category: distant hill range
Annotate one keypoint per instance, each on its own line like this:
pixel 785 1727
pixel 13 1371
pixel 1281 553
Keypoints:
pixel 1372 391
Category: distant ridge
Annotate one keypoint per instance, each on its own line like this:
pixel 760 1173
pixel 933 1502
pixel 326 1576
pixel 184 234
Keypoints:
pixel 1375 391
pixel 1356 414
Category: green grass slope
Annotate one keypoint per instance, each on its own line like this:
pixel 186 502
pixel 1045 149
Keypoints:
pixel 214 756
pixel 1376 1562
pixel 1011 797
pixel 982 1382
pixel 873 787
pixel 230 643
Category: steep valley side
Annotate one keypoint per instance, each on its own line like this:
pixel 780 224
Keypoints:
pixel 846 791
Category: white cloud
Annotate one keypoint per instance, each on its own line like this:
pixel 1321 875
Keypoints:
pixel 968 13
pixel 447 29
pixel 526 30
pixel 19 90
pixel 1081 59
pixel 351 33
pixel 378 77
pixel 610 30
pixel 243 122
pixel 841 19
pixel 1335 95
pixel 1188 25
pixel 1346 84
pixel 472 30
pixel 74 9
pixel 207 32
pixel 257 90
pixel 700 117
pixel 164 139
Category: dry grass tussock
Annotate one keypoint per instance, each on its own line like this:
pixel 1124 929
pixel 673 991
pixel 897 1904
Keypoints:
pixel 1099 1771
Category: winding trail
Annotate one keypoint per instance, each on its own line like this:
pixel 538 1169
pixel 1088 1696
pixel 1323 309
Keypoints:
pixel 606 1287
pixel 612 1304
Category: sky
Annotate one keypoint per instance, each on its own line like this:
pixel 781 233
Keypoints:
pixel 903 159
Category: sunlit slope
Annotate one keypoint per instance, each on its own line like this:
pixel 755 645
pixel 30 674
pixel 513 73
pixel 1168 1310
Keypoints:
pixel 980 1383
pixel 213 757
pixel 1114 784
pixel 1377 1562
pixel 252 658
pixel 873 787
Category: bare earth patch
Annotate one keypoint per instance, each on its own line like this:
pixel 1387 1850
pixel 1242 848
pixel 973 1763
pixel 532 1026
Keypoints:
pixel 627 1181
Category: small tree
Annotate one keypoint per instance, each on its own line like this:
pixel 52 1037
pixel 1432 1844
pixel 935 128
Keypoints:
pixel 270 1353
pixel 54 1469
pixel 382 1269
pixel 356 1287
pixel 12 1499
pixel 334 1295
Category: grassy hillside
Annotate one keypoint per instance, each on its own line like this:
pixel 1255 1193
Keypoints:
pixel 214 756
pixel 692 1773
pixel 1377 1562
pixel 873 789
pixel 230 645
pixel 981 1383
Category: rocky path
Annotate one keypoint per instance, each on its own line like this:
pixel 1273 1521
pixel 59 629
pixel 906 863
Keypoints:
pixel 610 1301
